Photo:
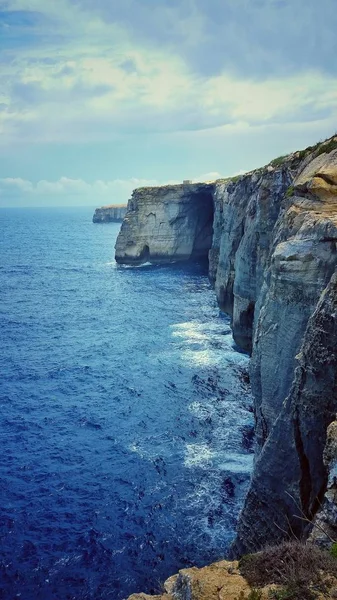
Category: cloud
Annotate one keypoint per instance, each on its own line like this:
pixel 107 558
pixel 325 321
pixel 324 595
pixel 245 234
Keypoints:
pixel 18 191
pixel 102 88
pixel 254 38
pixel 93 98
pixel 91 71
pixel 14 190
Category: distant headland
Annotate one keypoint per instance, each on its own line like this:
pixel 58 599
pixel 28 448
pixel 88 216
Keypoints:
pixel 112 213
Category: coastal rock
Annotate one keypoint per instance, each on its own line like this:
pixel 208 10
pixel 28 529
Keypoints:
pixel 168 223
pixel 249 208
pixel 219 581
pixel 110 214
pixel 290 476
pixel 272 241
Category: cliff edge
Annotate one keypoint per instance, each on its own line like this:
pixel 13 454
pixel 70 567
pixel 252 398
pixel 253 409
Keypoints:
pixel 110 214
pixel 271 238
pixel 167 223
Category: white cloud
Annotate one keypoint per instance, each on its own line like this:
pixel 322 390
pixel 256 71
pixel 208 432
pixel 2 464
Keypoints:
pixel 69 190
pixel 98 83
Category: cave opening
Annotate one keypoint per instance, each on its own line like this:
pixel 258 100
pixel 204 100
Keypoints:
pixel 203 204
pixel 145 254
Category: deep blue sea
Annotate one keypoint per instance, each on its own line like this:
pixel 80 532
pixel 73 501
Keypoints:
pixel 125 414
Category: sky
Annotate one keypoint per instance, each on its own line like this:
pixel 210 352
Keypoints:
pixel 98 97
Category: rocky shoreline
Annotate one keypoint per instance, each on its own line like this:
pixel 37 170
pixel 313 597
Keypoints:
pixel 271 238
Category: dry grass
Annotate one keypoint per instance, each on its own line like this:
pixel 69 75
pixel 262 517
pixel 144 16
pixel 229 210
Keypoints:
pixel 302 570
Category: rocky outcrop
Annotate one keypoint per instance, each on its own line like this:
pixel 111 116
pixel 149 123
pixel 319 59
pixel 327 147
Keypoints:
pixel 273 261
pixel 290 476
pixel 219 581
pixel 293 410
pixel 276 254
pixel 167 223
pixel 110 214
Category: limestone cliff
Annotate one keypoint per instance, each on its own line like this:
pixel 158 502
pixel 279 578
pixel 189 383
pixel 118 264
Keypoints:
pixel 165 224
pixel 290 477
pixel 271 236
pixel 110 214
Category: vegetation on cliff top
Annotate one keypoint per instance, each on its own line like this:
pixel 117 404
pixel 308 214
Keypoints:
pixel 303 571
pixel 322 146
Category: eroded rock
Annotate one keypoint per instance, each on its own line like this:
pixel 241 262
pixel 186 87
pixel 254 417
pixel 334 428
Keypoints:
pixel 218 581
pixel 165 224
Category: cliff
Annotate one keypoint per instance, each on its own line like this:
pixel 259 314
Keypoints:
pixel 166 224
pixel 273 262
pixel 110 214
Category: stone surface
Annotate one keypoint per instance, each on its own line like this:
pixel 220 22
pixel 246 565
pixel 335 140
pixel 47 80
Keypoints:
pixel 290 477
pixel 110 214
pixel 168 223
pixel 247 209
pixel 219 581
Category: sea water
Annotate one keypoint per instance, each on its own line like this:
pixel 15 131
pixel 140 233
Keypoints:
pixel 126 421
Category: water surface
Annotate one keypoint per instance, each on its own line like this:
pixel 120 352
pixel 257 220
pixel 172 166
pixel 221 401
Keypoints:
pixel 125 417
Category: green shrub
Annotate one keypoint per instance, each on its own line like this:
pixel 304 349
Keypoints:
pixel 327 147
pixel 318 149
pixel 290 191
pixel 333 550
pixel 279 160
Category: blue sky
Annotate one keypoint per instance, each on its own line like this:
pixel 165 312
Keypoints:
pixel 100 96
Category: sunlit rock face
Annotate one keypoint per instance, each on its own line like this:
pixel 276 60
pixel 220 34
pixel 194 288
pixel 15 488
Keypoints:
pixel 218 581
pixel 168 223
pixel 109 214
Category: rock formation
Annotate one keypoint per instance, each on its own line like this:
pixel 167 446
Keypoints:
pixel 110 214
pixel 271 236
pixel 219 581
pixel 166 224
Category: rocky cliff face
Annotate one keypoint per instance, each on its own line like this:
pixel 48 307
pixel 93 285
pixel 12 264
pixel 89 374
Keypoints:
pixel 166 224
pixel 109 214
pixel 295 392
pixel 290 476
pixel 273 261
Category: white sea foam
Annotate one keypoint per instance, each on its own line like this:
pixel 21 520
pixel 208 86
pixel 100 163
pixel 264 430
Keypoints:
pixel 198 455
pixel 202 341
pixel 201 358
pixel 202 410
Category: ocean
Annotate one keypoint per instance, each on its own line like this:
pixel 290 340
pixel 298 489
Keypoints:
pixel 125 414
